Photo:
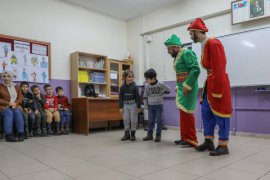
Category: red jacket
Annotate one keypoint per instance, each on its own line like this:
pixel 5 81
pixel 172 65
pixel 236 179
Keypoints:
pixel 63 101
pixel 217 82
pixel 50 102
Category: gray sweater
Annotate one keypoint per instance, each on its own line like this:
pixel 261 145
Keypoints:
pixel 154 93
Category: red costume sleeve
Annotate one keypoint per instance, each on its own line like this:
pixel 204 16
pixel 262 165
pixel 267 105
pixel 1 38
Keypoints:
pixel 218 67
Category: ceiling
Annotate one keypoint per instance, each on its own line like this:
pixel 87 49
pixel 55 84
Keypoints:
pixel 121 9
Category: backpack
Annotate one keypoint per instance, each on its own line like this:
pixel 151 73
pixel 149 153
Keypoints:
pixel 89 90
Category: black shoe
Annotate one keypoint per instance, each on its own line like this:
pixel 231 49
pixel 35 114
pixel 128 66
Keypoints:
pixel 50 131
pixel 164 128
pixel 1 136
pixel 126 136
pixel 220 150
pixel 38 132
pixel 185 144
pixel 58 132
pixel 26 134
pixel 44 132
pixel 67 131
pixel 177 142
pixel 21 137
pixel 149 137
pixel 158 137
pixel 11 138
pixel 31 134
pixel 207 145
pixel 133 137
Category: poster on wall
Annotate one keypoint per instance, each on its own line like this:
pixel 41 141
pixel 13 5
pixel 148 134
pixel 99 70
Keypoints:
pixel 39 49
pixel 256 8
pixel 240 11
pixel 5 48
pixel 247 10
pixel 22 47
pixel 26 67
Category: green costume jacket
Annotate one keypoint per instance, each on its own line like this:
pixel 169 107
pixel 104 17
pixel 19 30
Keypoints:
pixel 187 71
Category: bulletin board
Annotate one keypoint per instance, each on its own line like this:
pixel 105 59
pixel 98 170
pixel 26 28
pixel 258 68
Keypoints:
pixel 28 60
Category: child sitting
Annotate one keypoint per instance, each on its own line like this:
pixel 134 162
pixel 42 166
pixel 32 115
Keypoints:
pixel 29 110
pixel 51 108
pixel 64 110
pixel 40 114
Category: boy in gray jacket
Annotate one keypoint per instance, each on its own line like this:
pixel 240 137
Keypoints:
pixel 153 94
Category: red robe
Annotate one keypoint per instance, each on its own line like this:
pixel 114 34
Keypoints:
pixel 217 82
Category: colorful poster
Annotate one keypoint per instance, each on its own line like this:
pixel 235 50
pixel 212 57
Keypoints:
pixel 33 76
pixel 44 76
pixel 44 63
pixel 39 49
pixel 34 61
pixel 24 73
pixel 5 48
pixel 240 11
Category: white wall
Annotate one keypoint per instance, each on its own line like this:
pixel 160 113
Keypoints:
pixel 184 11
pixel 68 29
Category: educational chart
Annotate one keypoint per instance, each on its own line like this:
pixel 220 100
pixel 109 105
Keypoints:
pixel 247 10
pixel 26 59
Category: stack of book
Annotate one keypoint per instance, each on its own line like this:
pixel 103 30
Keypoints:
pixel 92 63
pixel 96 77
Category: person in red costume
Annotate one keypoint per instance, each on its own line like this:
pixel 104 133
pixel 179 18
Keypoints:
pixel 216 108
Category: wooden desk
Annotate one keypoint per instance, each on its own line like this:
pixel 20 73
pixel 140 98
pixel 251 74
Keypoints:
pixel 85 110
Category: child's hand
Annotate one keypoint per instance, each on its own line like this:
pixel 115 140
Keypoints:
pixel 36 111
pixel 121 111
pixel 38 96
pixel 138 110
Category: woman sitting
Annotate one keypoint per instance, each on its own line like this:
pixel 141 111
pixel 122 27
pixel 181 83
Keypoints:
pixel 10 107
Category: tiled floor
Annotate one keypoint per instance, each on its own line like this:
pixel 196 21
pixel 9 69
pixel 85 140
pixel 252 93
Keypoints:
pixel 102 156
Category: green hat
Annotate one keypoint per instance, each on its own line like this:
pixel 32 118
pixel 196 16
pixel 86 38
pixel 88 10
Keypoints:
pixel 173 41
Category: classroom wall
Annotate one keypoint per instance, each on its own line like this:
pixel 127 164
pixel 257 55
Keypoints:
pixel 67 27
pixel 251 110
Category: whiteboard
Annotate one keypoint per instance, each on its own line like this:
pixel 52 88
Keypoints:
pixel 248 57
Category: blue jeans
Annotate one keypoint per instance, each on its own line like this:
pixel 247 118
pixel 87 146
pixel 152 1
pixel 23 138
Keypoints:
pixel 155 115
pixel 210 120
pixel 29 120
pixel 64 118
pixel 9 117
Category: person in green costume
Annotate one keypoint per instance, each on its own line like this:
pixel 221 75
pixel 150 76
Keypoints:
pixel 187 72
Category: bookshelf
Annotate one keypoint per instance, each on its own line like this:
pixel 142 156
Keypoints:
pixel 88 68
pixel 115 79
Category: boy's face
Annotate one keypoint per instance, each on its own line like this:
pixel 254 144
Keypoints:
pixel 25 88
pixel 150 81
pixel 36 91
pixel 60 93
pixel 49 91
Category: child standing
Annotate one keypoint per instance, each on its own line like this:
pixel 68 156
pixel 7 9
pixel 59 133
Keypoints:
pixel 29 109
pixel 130 104
pixel 51 108
pixel 64 110
pixel 153 94
pixel 40 114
